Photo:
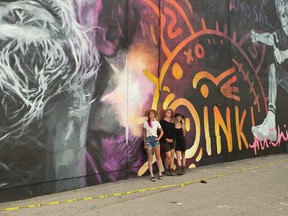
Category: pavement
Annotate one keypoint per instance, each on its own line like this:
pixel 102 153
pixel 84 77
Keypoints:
pixel 255 186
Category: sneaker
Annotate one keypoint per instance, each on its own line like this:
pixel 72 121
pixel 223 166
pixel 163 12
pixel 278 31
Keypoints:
pixel 265 131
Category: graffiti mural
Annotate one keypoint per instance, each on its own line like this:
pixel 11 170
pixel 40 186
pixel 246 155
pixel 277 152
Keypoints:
pixel 48 67
pixel 76 77
pixel 213 71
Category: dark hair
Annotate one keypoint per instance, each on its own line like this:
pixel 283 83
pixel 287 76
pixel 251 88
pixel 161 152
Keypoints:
pixel 149 122
pixel 169 109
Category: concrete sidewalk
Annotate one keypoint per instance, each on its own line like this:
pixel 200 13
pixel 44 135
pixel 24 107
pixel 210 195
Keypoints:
pixel 256 186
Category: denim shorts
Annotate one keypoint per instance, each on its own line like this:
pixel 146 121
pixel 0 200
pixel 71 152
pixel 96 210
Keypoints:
pixel 151 142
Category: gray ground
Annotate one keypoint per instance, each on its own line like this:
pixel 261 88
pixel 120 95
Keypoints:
pixel 256 186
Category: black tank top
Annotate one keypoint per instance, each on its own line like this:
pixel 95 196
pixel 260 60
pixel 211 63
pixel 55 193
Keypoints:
pixel 179 132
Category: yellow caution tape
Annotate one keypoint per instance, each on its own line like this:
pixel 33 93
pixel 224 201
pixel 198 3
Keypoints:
pixel 183 184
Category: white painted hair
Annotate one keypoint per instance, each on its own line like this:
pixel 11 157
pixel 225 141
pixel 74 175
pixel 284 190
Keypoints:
pixel 35 66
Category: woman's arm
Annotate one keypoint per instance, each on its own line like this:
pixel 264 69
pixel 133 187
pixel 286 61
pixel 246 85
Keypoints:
pixel 160 135
pixel 162 123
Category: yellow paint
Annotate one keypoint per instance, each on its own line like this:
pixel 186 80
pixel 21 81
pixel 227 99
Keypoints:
pixel 187 124
pixel 166 89
pixel 177 71
pixel 207 131
pixel 204 90
pixel 225 126
pixel 154 79
pixel 168 100
pixel 239 128
pixel 192 166
pixel 199 157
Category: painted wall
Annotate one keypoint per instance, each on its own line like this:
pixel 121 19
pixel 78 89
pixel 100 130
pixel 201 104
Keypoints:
pixel 76 77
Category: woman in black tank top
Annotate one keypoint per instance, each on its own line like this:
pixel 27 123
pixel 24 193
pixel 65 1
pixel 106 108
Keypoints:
pixel 180 143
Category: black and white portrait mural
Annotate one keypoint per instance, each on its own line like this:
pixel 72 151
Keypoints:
pixel 278 69
pixel 48 68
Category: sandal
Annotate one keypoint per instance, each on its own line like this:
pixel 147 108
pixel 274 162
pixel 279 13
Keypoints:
pixel 160 177
pixel 153 179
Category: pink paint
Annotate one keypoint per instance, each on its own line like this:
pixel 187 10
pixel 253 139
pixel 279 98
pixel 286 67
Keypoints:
pixel 267 143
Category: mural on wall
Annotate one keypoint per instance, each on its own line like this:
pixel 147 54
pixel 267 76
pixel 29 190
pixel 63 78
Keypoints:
pixel 76 77
pixel 62 123
pixel 214 71
pixel 277 74
pixel 48 67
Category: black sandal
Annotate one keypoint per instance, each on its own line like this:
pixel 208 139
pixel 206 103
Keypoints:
pixel 160 177
pixel 153 179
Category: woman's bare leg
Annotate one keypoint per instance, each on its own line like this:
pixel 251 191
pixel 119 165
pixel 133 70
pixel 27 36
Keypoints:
pixel 172 159
pixel 159 160
pixel 150 161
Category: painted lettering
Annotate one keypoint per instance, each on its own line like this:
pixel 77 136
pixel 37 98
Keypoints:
pixel 267 143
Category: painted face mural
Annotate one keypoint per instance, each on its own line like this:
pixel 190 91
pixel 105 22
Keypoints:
pixel 47 72
pixel 76 77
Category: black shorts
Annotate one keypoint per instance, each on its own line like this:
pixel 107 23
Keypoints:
pixel 181 147
pixel 167 146
pixel 180 144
